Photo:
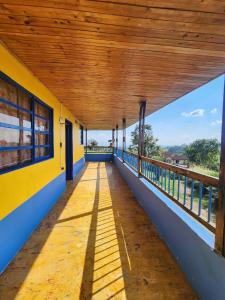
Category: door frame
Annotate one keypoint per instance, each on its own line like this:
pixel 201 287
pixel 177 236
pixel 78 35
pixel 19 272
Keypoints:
pixel 69 149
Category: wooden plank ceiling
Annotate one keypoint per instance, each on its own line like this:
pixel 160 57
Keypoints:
pixel 100 58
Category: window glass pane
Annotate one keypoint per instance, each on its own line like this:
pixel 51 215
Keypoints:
pixel 26 119
pixel 24 100
pixel 10 137
pixel 13 158
pixel 42 111
pixel 41 139
pixel 15 137
pixel 8 91
pixel 27 138
pixel 11 115
pixel 41 125
pixel 39 152
pixel 13 94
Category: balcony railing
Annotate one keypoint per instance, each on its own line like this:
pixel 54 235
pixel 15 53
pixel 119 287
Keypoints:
pixel 98 149
pixel 194 192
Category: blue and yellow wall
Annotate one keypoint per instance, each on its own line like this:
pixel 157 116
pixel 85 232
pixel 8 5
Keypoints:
pixel 27 194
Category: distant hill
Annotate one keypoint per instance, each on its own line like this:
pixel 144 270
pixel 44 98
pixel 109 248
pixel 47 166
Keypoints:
pixel 176 149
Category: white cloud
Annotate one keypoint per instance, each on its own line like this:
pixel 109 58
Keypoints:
pixel 213 111
pixel 216 122
pixel 195 113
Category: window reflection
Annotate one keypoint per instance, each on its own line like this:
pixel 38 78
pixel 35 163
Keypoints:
pixel 18 121
pixel 42 111
pixel 42 151
pixel 12 158
pixel 10 137
pixel 41 125
pixel 13 116
pixel 41 139
pixel 8 91
pixel 13 94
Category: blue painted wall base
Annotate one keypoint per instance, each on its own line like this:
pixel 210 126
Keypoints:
pixel 190 242
pixel 17 227
pixel 78 166
pixel 98 157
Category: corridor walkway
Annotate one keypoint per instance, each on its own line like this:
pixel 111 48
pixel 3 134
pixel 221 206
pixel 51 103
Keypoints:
pixel 96 243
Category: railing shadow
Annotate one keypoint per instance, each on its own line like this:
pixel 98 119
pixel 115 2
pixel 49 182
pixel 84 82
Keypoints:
pixel 125 257
pixel 32 249
pixel 106 267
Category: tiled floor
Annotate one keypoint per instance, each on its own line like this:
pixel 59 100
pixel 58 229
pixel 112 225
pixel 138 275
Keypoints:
pixel 96 243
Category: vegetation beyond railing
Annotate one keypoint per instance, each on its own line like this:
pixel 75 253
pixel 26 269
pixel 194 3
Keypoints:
pixel 98 149
pixel 194 192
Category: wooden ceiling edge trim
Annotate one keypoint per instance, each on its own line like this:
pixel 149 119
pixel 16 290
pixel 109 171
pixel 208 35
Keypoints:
pixel 146 47
pixel 3 32
pixel 124 4
pixel 118 15
pixel 213 31
pixel 154 6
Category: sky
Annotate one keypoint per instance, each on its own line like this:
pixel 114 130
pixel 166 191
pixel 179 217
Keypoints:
pixel 193 116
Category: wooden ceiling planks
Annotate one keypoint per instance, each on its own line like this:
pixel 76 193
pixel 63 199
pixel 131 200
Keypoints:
pixel 100 58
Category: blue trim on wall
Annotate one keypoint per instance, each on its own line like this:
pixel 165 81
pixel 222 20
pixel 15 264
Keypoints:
pixel 17 227
pixel 190 243
pixel 98 157
pixel 78 166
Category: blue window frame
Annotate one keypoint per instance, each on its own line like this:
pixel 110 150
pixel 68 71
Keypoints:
pixel 26 127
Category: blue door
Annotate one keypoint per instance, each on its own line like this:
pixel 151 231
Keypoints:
pixel 69 150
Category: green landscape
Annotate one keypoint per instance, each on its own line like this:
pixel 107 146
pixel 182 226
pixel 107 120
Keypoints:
pixel 203 155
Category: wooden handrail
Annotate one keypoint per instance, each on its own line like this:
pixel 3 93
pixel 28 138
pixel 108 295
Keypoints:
pixel 205 179
pixel 192 175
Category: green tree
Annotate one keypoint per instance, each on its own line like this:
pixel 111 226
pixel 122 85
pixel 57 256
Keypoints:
pixel 177 149
pixel 204 152
pixel 92 143
pixel 151 149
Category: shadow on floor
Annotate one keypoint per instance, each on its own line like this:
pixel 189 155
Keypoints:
pixel 24 260
pixel 104 247
pixel 125 258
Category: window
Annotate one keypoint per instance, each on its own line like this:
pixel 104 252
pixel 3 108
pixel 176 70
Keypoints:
pixel 26 129
pixel 81 135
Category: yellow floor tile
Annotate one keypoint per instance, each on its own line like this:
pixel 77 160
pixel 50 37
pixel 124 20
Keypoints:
pixel 96 243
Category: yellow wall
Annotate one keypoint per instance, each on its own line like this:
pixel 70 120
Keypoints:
pixel 19 185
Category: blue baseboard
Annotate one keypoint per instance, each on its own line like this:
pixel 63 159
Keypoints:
pixel 78 166
pixel 17 227
pixel 189 241
pixel 100 157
